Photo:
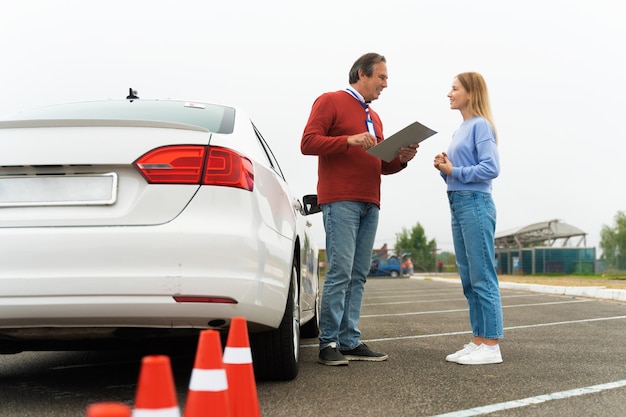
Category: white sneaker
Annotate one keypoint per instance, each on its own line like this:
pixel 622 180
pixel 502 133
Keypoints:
pixel 467 349
pixel 481 356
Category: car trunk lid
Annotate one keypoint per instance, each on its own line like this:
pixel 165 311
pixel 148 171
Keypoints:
pixel 81 172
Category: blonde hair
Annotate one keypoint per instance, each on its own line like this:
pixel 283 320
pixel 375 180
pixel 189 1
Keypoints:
pixel 476 87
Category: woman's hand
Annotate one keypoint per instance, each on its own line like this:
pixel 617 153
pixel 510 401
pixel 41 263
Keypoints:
pixel 443 164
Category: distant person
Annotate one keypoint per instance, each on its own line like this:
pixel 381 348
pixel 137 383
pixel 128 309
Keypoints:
pixel 340 129
pixel 374 267
pixel 409 266
pixel 440 266
pixel 468 168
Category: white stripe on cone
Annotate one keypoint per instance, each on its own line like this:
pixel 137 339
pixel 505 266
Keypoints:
pixel 161 412
pixel 237 356
pixel 208 380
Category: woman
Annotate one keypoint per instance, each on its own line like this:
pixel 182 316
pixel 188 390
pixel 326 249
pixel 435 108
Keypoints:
pixel 468 167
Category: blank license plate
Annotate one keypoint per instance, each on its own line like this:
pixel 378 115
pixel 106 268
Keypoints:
pixel 62 190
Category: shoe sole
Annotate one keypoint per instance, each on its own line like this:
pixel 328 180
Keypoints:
pixel 333 363
pixel 480 363
pixel 366 358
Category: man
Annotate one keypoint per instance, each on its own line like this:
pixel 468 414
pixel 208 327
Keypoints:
pixel 340 129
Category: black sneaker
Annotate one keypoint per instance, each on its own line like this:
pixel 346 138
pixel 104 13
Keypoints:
pixel 363 353
pixel 330 356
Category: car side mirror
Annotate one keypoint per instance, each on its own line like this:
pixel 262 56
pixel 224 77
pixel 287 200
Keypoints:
pixel 310 204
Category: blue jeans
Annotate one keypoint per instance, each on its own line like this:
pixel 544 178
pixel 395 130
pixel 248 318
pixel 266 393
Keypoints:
pixel 350 231
pixel 473 227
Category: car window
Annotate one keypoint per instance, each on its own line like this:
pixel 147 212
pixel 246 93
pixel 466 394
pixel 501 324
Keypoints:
pixel 271 159
pixel 215 118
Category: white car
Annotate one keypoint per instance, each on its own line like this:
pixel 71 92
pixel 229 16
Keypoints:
pixel 125 220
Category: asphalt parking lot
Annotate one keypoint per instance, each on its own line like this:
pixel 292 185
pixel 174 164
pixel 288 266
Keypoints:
pixel 564 355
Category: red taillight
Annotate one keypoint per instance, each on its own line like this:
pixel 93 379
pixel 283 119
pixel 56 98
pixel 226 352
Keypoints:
pixel 189 164
pixel 172 165
pixel 228 168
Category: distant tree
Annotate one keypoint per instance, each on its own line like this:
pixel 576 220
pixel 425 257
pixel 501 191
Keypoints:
pixel 613 243
pixel 422 251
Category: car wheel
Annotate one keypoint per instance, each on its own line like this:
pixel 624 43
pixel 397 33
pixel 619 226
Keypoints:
pixel 393 274
pixel 275 354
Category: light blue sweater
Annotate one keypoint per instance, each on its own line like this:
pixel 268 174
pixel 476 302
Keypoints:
pixel 474 156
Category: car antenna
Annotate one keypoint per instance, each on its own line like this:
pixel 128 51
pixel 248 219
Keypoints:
pixel 132 94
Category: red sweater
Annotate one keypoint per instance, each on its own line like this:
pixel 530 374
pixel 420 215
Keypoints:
pixel 345 173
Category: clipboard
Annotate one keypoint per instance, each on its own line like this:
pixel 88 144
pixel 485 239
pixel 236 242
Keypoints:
pixel 387 150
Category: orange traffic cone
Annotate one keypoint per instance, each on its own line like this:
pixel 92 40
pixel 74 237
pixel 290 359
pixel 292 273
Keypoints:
pixel 244 401
pixel 156 395
pixel 208 387
pixel 108 409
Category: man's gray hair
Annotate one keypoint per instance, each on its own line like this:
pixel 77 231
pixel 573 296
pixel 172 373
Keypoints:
pixel 366 64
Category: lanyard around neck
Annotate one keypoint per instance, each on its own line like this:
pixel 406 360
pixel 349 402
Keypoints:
pixel 369 123
pixel 361 101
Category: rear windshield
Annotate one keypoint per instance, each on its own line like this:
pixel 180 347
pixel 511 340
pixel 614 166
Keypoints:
pixel 213 117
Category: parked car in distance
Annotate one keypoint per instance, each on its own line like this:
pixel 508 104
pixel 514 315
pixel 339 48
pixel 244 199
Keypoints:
pixel 391 266
pixel 139 219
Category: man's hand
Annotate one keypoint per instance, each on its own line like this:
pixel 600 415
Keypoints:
pixel 406 153
pixel 365 140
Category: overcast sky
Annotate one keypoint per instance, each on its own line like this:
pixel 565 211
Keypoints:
pixel 555 71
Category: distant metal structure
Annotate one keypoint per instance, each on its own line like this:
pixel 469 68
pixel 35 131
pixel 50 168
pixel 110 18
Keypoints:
pixel 545 247
pixel 549 233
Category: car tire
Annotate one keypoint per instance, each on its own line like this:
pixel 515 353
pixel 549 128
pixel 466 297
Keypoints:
pixel 8 348
pixel 275 354
pixel 393 274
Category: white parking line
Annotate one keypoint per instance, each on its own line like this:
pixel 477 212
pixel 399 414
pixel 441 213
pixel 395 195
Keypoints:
pixel 477 411
pixel 454 298
pixel 465 308
pixel 529 326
